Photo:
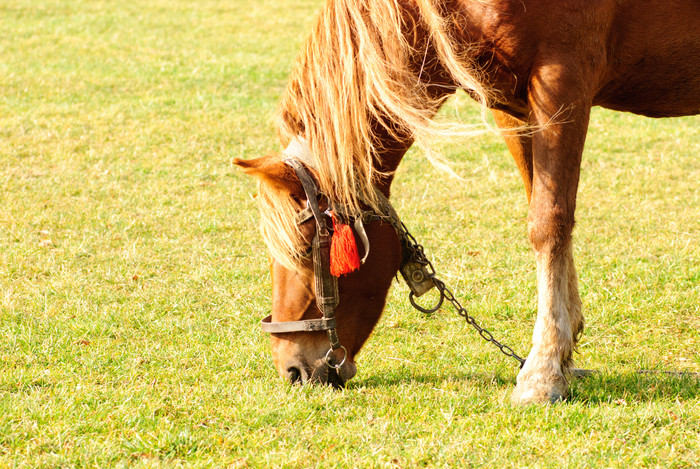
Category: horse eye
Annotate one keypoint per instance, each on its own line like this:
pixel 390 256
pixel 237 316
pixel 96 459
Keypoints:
pixel 307 252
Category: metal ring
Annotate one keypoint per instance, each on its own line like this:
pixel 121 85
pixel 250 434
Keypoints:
pixel 423 310
pixel 328 358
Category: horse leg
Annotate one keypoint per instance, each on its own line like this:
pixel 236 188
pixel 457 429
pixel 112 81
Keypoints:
pixel 556 156
pixel 520 147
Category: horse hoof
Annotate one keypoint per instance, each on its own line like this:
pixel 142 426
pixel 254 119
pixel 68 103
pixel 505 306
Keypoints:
pixel 525 394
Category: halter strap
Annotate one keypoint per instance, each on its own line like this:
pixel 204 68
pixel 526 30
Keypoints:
pixel 307 325
pixel 327 297
pixel 310 190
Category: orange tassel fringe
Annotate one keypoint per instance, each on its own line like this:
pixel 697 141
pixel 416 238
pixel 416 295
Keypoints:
pixel 344 255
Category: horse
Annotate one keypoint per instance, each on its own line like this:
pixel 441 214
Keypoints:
pixel 366 87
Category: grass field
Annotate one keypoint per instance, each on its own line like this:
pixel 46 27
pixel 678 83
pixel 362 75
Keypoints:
pixel 132 277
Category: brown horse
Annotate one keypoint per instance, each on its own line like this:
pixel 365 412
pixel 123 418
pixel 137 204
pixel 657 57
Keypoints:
pixel 366 87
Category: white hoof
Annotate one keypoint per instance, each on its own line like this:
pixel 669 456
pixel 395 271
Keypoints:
pixel 540 391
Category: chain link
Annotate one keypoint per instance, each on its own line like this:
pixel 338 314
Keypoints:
pixel 415 252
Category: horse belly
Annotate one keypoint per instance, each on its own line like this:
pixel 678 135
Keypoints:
pixel 653 65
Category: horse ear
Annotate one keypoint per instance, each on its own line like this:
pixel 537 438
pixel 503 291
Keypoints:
pixel 274 172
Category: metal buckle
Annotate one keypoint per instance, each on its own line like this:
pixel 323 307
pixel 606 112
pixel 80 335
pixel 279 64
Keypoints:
pixel 329 357
pixel 417 276
pixel 412 296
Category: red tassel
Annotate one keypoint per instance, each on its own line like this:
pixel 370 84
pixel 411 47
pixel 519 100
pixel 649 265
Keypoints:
pixel 344 255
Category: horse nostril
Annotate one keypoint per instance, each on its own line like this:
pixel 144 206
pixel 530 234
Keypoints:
pixel 293 374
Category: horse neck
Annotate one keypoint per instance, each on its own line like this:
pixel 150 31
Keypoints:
pixel 394 147
pixel 388 159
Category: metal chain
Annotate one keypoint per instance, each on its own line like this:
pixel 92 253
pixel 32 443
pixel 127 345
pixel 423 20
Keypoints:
pixel 416 253
pixel 484 333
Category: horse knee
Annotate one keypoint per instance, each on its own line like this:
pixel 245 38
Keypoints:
pixel 550 228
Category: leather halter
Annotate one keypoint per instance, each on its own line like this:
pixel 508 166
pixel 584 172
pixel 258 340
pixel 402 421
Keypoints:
pixel 327 297
pixel 326 284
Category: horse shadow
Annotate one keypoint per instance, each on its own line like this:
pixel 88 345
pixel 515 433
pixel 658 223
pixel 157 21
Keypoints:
pixel 402 378
pixel 593 388
pixel 634 386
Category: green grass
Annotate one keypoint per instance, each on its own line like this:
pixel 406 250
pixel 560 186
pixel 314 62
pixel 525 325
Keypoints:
pixel 132 277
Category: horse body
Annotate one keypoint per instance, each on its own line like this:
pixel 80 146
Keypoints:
pixel 653 57
pixel 633 56
pixel 543 64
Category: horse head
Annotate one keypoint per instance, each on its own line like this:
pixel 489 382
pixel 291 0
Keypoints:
pixel 305 354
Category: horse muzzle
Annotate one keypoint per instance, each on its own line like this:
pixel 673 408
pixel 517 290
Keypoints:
pixel 297 371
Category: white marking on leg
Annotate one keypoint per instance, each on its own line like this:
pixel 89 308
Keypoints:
pixel 552 340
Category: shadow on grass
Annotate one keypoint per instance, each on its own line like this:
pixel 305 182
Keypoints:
pixel 401 377
pixel 594 389
pixel 600 388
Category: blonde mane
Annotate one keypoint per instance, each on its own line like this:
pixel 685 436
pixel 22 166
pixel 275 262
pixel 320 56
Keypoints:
pixel 356 70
